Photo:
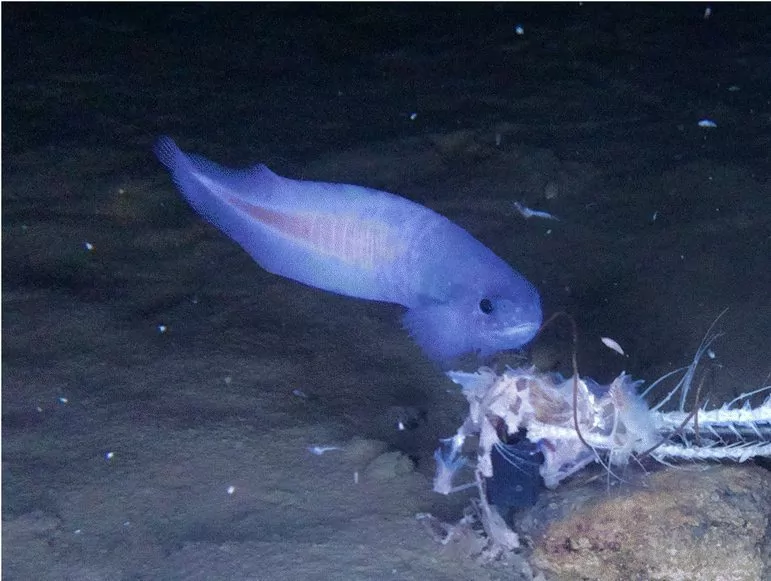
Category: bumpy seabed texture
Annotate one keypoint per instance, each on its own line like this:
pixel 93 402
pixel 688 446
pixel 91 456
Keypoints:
pixel 160 392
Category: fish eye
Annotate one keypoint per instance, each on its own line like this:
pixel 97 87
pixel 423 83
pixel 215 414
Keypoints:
pixel 486 306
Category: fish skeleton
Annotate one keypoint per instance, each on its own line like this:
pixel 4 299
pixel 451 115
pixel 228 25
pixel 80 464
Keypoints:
pixel 369 244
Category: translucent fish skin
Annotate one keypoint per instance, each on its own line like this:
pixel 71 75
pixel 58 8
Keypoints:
pixel 369 244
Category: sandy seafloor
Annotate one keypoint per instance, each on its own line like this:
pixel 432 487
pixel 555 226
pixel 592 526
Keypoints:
pixel 592 114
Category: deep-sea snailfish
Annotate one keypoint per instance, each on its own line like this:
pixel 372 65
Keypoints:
pixel 365 243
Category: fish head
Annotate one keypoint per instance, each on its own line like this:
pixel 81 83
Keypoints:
pixel 477 318
pixel 503 319
pixel 500 322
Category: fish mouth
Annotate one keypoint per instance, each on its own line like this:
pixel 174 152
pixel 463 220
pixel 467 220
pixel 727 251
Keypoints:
pixel 521 333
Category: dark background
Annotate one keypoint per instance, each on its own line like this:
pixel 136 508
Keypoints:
pixel 597 104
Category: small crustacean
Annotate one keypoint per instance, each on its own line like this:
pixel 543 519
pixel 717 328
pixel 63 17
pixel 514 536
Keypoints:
pixel 448 462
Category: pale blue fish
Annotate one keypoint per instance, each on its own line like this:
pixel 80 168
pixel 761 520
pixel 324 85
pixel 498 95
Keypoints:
pixel 364 243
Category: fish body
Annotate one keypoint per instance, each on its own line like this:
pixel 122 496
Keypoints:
pixel 369 244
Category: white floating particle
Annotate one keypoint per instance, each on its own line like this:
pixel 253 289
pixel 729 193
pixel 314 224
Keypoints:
pixel 526 212
pixel 320 450
pixel 39 409
pixel 413 116
pixel 611 344
pixel 109 456
pixel 227 379
pixel 733 88
pixel 78 531
pixel 300 393
pixel 63 400
pixel 89 246
pixel 707 12
pixel 162 328
pixel 231 489
pixel 356 477
pixel 519 29
pixel 400 426
pixel 707 124
pixel 498 138
pixel 711 354
pixel 655 215
pixel 121 191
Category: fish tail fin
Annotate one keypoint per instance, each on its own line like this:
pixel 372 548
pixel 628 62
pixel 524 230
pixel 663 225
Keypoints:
pixel 186 174
pixel 187 170
pixel 167 152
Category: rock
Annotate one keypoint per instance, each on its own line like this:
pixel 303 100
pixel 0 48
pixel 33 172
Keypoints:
pixel 684 524
pixel 389 466
pixel 360 451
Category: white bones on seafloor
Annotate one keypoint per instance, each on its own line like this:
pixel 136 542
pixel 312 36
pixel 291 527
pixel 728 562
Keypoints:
pixel 615 423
